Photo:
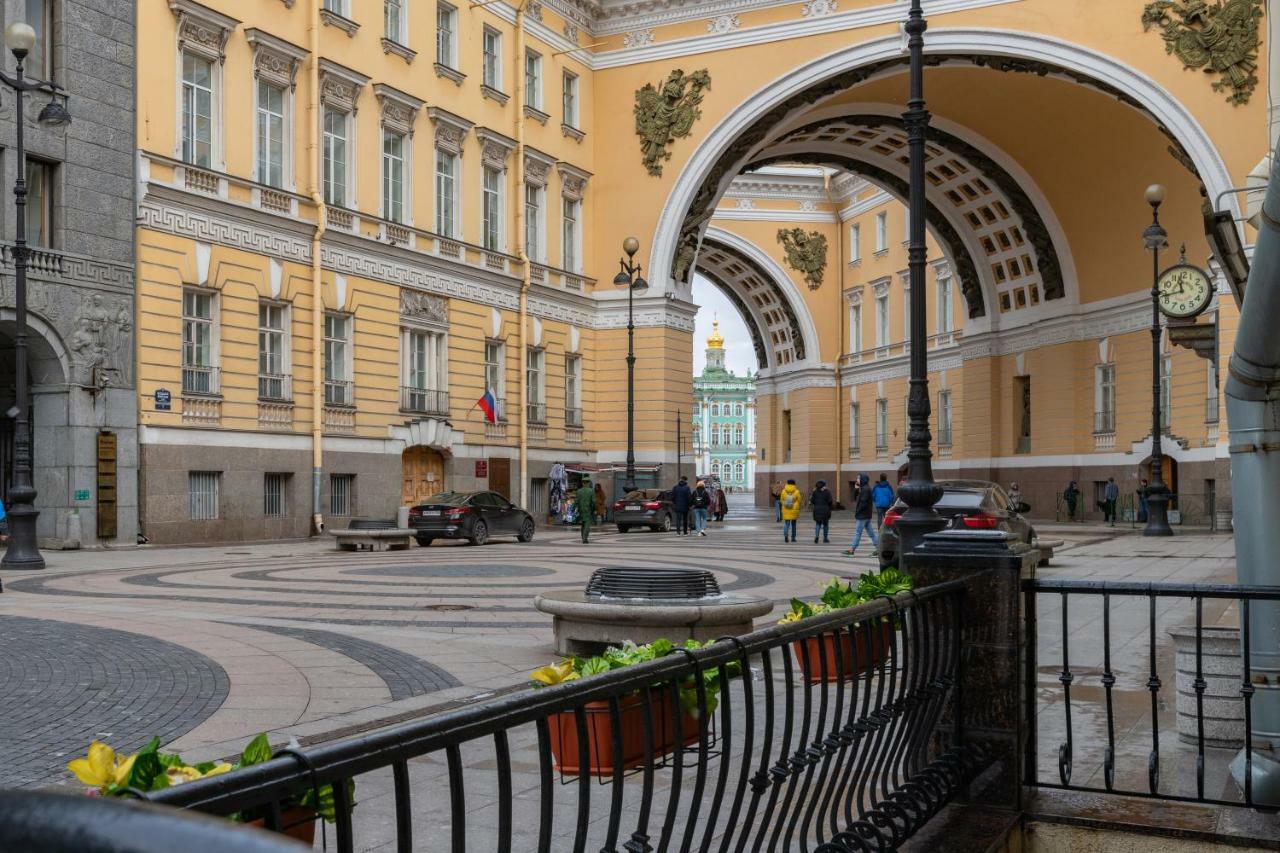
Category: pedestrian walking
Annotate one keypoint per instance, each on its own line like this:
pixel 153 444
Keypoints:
pixel 862 510
pixel 881 498
pixel 701 503
pixel 721 505
pixel 600 503
pixel 681 495
pixel 790 501
pixel 775 498
pixel 821 502
pixel 585 503
pixel 1110 494
pixel 1072 497
pixel 1144 489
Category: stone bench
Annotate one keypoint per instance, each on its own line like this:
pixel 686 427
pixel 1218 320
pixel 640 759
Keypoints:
pixel 1045 547
pixel 373 539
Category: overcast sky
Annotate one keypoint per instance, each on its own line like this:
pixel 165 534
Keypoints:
pixel 713 305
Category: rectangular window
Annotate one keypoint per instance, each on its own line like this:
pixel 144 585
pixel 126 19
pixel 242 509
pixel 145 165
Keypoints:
pixel 491 213
pixel 573 390
pixel 1166 391
pixel 1211 395
pixel 495 374
pixel 197 110
pixel 336 6
pixel 199 375
pixel 854 433
pixel 337 359
pixel 1104 398
pixel 882 320
pixel 273 350
pixel 39 209
pixel 202 494
pixel 533 222
pixel 1022 408
pixel 270 134
pixel 882 424
pixel 392 176
pixel 570 92
pixel 944 305
pixel 569 243
pixel 39 61
pixel 335 157
pixel 425 386
pixel 855 328
pixel 393 25
pixel 491 46
pixel 446 18
pixel 533 80
pixel 536 385
pixel 882 231
pixel 944 418
pixel 342 498
pixel 275 488
pixel 446 197
pixel 855 242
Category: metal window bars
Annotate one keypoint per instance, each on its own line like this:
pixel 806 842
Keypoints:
pixel 841 732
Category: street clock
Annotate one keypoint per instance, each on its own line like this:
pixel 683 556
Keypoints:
pixel 1184 290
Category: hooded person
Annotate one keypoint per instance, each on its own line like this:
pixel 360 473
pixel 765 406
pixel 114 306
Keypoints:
pixel 821 502
pixel 862 512
pixel 681 497
pixel 881 498
pixel 790 500
pixel 701 504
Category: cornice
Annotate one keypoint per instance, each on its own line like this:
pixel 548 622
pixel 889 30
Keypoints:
pixel 867 205
pixel 752 215
pixel 771 186
pixel 823 376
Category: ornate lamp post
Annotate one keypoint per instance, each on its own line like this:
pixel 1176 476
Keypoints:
pixel 1155 239
pixel 919 492
pixel 629 277
pixel 23 552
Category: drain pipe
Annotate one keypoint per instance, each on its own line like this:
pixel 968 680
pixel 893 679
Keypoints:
pixel 317 295
pixel 1253 415
pixel 522 251
pixel 840 315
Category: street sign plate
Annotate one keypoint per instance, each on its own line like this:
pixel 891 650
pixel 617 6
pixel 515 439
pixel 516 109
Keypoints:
pixel 164 400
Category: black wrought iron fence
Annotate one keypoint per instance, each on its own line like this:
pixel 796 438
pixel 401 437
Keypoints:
pixel 1155 687
pixel 826 737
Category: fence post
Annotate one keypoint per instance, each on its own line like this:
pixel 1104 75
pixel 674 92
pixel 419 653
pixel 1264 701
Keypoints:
pixel 993 650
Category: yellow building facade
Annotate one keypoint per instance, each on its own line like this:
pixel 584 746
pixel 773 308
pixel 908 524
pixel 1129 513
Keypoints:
pixel 357 216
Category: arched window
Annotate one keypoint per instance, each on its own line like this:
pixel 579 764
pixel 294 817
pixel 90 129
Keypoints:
pixel 737 434
pixel 739 471
pixel 715 434
pixel 715 408
pixel 739 410
pixel 715 467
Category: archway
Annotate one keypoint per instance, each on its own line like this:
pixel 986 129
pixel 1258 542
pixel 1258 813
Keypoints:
pixel 422 474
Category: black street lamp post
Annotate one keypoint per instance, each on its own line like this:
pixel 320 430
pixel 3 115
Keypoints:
pixel 629 277
pixel 23 551
pixel 919 492
pixel 1156 238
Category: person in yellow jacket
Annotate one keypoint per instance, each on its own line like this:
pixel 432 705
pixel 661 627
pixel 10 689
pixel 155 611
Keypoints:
pixel 790 501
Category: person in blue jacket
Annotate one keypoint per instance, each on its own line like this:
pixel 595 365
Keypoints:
pixel 882 497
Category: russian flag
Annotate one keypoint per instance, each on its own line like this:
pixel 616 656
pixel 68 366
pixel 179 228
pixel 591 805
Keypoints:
pixel 489 405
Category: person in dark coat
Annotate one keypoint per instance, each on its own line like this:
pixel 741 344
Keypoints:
pixel 721 507
pixel 821 502
pixel 863 509
pixel 681 496
pixel 1072 498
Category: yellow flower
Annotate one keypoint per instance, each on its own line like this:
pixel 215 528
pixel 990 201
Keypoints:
pixel 102 769
pixel 555 673
pixel 186 773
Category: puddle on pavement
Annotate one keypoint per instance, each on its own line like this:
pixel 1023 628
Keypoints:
pixel 449 607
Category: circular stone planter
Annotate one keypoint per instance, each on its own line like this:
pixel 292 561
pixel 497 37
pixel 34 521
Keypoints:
pixel 1222 669
pixel 584 624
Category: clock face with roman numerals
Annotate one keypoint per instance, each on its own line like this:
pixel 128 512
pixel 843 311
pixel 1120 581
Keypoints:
pixel 1185 290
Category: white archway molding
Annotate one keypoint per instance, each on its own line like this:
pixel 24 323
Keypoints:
pixel 1164 108
pixel 795 300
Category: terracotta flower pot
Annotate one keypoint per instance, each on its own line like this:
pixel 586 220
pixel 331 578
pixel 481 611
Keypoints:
pixel 810 653
pixel 601 759
pixel 299 823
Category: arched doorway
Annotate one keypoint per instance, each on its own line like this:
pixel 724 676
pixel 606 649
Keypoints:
pixel 422 472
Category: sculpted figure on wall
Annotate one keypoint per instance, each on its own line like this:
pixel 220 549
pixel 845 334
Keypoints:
pixel 100 341
pixel 806 253
pixel 667 114
pixel 1221 38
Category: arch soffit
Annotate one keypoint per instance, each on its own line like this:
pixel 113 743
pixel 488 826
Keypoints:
pixel 731 143
pixel 805 333
pixel 47 339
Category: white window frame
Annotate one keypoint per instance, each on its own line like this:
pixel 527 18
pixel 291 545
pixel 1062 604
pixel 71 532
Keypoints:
pixel 855 328
pixel 186 118
pixel 331 172
pixel 882 423
pixel 855 433
pixel 399 20
pixel 191 321
pixel 203 488
pixel 573 388
pixel 448 207
pixel 533 79
pixel 945 434
pixel 426 368
pixel 260 112
pixel 495 374
pixel 855 243
pixel 739 435
pixel 447 37
pixel 491 58
pixel 944 307
pixel 493 208
pixel 569 101
pixel 883 320
pixel 1166 390
pixel 570 234
pixel 535 232
pixel 1104 397
pixel 390 182
pixel 536 383
pixel 882 231
pixel 341 377
pixel 338 7
pixel 274 384
pixel 715 435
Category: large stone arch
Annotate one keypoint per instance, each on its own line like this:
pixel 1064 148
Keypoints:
pixel 783 333
pixel 739 137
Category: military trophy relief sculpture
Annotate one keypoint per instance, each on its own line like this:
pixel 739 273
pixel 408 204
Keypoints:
pixel 806 253
pixel 1220 38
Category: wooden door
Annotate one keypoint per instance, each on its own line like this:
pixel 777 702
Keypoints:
pixel 500 476
pixel 423 474
pixel 106 485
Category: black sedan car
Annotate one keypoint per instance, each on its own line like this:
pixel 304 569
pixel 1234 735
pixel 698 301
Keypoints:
pixel 971 504
pixel 474 516
pixel 649 508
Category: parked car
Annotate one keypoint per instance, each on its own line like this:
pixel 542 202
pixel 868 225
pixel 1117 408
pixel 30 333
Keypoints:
pixel 474 516
pixel 971 504
pixel 649 508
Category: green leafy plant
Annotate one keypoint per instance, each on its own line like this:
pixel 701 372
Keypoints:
pixel 840 595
